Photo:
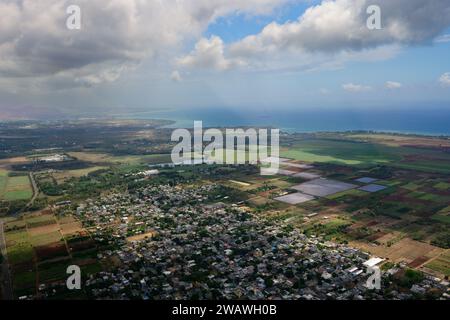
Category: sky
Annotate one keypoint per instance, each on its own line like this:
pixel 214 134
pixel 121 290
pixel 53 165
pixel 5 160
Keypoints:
pixel 139 56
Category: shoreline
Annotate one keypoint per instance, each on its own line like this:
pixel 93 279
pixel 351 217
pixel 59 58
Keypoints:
pixel 189 124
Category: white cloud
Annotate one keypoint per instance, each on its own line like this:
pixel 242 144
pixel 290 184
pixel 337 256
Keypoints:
pixel 208 54
pixel 176 76
pixel 393 85
pixel 118 35
pixel 351 87
pixel 443 39
pixel 115 35
pixel 333 32
pixel 339 25
pixel 445 79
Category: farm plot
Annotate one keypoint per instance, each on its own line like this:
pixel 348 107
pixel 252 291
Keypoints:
pixel 38 254
pixel 441 264
pixel 371 188
pixel 343 152
pixel 15 188
pixel 349 193
pixel 63 176
pixel 443 215
pixel 295 198
pixel 444 186
pixel 3 180
pixel 405 250
pixel 18 247
pixel 307 175
pixel 323 187
pixel 40 220
pixel 45 238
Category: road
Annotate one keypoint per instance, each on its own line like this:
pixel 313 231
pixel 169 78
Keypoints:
pixel 5 275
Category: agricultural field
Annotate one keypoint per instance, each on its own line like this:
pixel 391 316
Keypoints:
pixel 395 203
pixel 108 159
pixel 402 140
pixel 3 180
pixel 14 187
pixel 340 152
pixel 326 189
pixel 40 247
pixel 441 264
pixel 62 176
pixel 364 154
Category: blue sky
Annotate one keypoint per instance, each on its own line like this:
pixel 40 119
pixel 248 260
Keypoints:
pixel 236 26
pixel 260 54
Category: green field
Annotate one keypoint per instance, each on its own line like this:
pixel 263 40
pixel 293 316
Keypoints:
pixel 442 218
pixel 366 154
pixel 441 264
pixel 45 239
pixel 442 186
pixel 40 220
pixel 53 271
pixel 411 186
pixel 14 188
pixel 32 255
pixel 18 247
pixel 3 180
pixel 443 215
pixel 342 152
pixel 352 192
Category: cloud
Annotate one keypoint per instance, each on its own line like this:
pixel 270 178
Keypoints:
pixel 351 87
pixel 331 33
pixel 176 76
pixel 208 54
pixel 393 85
pixel 339 25
pixel 445 79
pixel 443 39
pixel 115 35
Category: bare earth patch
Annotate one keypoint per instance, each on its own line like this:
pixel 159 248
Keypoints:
pixel 143 236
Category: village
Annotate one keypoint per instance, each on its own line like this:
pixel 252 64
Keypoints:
pixel 174 242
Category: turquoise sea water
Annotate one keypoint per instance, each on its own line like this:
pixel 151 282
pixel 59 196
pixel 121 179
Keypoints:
pixel 428 122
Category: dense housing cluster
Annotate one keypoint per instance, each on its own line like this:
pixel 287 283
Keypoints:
pixel 183 243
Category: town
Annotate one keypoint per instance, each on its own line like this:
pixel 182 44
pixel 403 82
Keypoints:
pixel 173 242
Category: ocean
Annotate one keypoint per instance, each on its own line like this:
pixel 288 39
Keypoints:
pixel 410 121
